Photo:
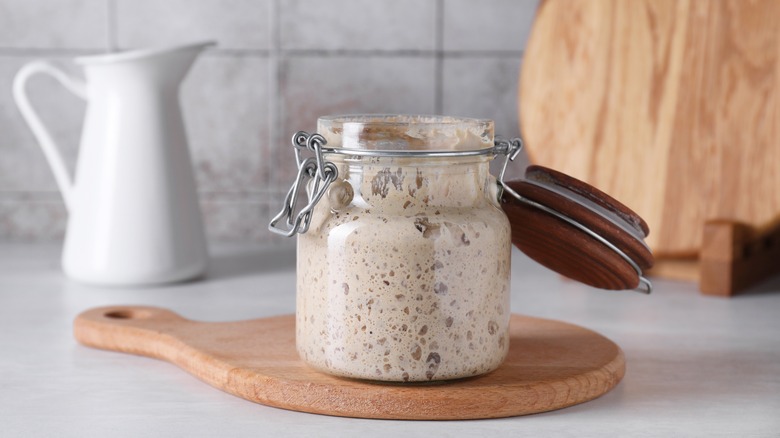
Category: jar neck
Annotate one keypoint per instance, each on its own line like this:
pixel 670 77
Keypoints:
pixel 409 184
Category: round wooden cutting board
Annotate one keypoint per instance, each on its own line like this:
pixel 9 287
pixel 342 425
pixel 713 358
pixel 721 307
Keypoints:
pixel 671 106
pixel 551 365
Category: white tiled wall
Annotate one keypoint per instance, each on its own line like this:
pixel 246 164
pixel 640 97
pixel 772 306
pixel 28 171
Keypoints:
pixel 357 25
pixel 279 65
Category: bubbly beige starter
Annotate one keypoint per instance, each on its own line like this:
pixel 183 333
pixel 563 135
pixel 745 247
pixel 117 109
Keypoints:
pixel 410 280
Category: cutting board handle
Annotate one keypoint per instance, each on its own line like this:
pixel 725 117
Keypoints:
pixel 141 330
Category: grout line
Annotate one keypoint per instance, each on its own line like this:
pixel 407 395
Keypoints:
pixel 349 53
pixel 238 53
pixel 259 192
pixel 274 104
pixel 26 51
pixel 482 53
pixel 346 53
pixel 6 195
pixel 439 59
pixel 359 52
pixel 12 51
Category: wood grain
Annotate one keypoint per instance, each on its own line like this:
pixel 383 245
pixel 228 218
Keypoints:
pixel 671 106
pixel 551 365
pixel 562 248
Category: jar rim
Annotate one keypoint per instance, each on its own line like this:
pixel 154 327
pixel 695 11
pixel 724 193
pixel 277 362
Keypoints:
pixel 401 119
pixel 406 135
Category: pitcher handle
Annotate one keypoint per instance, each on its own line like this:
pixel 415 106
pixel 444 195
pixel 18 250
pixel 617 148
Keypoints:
pixel 50 149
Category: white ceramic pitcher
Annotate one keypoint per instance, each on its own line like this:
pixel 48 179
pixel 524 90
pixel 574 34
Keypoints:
pixel 133 206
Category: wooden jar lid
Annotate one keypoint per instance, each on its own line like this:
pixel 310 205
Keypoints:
pixel 577 230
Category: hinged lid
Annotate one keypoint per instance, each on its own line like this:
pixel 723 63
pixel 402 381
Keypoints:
pixel 577 230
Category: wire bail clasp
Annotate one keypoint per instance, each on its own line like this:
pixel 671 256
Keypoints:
pixel 315 175
pixel 510 149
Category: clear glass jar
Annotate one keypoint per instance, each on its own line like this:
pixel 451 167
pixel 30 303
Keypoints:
pixel 404 270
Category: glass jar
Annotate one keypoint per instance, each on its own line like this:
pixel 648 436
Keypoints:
pixel 404 251
pixel 404 266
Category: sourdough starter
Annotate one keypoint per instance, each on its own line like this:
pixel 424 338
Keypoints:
pixel 410 280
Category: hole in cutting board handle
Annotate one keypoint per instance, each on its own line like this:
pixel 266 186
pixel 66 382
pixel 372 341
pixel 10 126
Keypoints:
pixel 127 314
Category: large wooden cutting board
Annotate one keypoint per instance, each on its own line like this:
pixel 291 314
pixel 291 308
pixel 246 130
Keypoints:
pixel 550 365
pixel 671 106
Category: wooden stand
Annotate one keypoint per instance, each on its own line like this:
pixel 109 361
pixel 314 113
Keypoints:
pixel 735 256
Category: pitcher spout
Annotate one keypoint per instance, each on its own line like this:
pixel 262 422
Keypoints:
pixel 171 63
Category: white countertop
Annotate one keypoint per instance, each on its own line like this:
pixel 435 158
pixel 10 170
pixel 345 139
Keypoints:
pixel 696 365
